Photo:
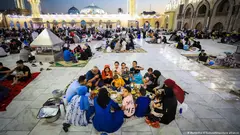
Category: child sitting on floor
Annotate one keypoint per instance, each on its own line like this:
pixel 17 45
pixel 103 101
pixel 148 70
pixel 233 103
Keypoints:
pixel 117 82
pixel 128 104
pixel 142 104
pixel 148 78
pixel 156 112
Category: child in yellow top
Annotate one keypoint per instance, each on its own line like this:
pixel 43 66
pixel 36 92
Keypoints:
pixel 117 82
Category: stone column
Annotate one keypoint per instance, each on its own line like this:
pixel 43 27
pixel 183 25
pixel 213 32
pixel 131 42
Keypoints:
pixel 36 13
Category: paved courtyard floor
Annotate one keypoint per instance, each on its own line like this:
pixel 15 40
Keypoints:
pixel 210 105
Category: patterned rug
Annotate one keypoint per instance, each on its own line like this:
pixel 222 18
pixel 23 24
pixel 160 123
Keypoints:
pixel 80 63
pixel 14 90
pixel 136 50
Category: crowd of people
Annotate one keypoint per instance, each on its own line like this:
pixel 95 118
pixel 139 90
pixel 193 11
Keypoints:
pixel 156 100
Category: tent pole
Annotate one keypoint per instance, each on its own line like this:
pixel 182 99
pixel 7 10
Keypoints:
pixel 53 55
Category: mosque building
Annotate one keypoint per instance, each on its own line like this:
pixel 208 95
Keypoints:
pixel 90 16
pixel 220 15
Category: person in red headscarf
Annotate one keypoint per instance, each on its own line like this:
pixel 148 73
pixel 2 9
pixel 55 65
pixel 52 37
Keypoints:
pixel 169 102
pixel 107 75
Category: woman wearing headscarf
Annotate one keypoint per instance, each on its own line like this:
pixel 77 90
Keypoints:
pixel 105 120
pixel 172 92
pixel 158 82
pixel 77 110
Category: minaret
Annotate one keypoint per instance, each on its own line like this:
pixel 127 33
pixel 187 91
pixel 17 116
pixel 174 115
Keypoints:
pixel 132 7
pixel 36 13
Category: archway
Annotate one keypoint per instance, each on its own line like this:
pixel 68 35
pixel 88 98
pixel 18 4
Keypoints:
pixel 202 11
pixel 157 24
pixel 218 27
pixel 188 13
pixel 31 24
pixel 199 26
pixel 55 23
pixel 186 26
pixel 64 24
pixel 11 24
pixel 83 24
pixel 18 25
pixel 48 25
pixel 25 25
pixel 223 7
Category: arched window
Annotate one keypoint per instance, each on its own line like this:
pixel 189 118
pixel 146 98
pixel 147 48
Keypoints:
pixel 202 10
pixel 223 7
pixel 31 24
pixel 188 13
pixel 199 26
pixel 18 25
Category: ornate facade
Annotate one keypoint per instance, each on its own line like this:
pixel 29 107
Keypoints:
pixel 220 15
pixel 90 16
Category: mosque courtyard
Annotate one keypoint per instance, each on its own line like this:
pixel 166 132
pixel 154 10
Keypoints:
pixel 211 105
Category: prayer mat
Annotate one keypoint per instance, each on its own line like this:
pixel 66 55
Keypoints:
pixel 14 90
pixel 80 63
pixel 136 50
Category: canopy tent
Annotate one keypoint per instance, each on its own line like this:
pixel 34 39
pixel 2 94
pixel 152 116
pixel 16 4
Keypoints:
pixel 47 39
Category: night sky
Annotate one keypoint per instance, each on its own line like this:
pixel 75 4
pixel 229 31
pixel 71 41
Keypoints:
pixel 110 6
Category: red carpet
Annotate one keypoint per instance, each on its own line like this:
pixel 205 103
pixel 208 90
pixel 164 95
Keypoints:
pixel 14 90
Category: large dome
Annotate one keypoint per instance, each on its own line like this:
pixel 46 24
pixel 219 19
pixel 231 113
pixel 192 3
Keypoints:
pixel 92 9
pixel 73 10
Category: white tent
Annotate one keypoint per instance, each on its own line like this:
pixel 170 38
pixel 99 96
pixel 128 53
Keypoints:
pixel 47 39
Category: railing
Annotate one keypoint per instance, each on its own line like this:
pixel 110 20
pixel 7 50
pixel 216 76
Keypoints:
pixel 221 13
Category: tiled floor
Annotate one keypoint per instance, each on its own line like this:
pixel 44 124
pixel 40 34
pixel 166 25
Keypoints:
pixel 210 105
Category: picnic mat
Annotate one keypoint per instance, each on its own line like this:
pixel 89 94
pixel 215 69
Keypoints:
pixel 136 50
pixel 14 90
pixel 80 63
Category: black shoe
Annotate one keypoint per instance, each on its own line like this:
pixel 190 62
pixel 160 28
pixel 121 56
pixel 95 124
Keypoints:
pixel 66 125
pixel 49 69
pixel 34 65
pixel 41 69
pixel 40 63
pixel 65 129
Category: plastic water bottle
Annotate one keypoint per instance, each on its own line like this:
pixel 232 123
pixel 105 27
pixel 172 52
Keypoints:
pixel 180 111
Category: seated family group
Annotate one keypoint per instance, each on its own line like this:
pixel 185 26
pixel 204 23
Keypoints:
pixel 106 98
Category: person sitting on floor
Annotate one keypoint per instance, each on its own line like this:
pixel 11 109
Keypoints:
pixel 164 40
pixel 23 73
pixel 125 73
pixel 180 45
pixel 104 119
pixel 148 78
pixel 94 77
pixel 78 110
pixel 135 74
pixel 203 58
pixel 142 104
pixel 68 55
pixel 156 112
pixel 107 75
pixel 72 89
pixel 4 72
pixel 128 106
pixel 88 50
pixel 117 82
pixel 25 54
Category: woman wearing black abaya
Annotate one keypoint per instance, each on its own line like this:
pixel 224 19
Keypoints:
pixel 158 81
pixel 169 102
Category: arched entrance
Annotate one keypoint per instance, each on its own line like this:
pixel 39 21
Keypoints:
pixel 199 26
pixel 25 25
pixel 218 27
pixel 64 24
pixel 157 24
pixel 73 23
pixel 31 24
pixel 11 24
pixel 186 26
pixel 18 25
pixel 83 24
pixel 48 25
